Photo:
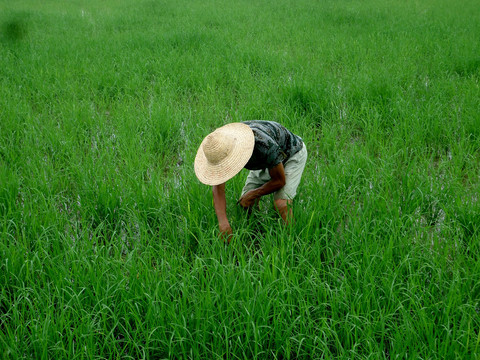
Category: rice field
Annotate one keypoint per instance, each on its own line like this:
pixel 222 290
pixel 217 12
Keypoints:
pixel 109 245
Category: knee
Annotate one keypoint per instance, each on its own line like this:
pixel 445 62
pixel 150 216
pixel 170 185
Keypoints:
pixel 282 204
pixel 284 210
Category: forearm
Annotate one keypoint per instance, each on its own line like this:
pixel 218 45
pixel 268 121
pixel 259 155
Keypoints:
pixel 220 204
pixel 277 181
pixel 268 188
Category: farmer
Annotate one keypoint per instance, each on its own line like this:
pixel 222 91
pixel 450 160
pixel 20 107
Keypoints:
pixel 275 157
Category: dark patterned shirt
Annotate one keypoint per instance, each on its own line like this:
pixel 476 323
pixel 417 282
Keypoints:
pixel 273 144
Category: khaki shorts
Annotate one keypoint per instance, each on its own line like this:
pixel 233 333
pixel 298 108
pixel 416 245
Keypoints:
pixel 293 174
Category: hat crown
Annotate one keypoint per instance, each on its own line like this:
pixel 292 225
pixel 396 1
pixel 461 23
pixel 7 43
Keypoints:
pixel 217 147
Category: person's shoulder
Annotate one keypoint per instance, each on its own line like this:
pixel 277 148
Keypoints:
pixel 253 122
pixel 262 123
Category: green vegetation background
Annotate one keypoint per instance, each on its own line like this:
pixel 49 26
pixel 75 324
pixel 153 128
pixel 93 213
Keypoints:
pixel 108 243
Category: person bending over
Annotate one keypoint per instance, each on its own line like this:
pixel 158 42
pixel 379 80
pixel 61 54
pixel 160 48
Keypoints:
pixel 274 155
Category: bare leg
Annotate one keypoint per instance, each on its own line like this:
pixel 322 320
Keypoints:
pixel 284 208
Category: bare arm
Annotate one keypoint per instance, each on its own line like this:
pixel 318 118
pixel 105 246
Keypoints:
pixel 220 205
pixel 277 181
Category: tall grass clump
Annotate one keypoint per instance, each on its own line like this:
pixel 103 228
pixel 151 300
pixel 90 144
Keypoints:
pixel 109 245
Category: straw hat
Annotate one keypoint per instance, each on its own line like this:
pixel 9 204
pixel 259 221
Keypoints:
pixel 223 153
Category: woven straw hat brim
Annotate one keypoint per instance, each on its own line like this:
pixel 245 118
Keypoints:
pixel 243 144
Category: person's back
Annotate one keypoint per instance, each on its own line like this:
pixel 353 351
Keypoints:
pixel 273 144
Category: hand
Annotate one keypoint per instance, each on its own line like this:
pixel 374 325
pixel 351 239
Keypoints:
pixel 225 232
pixel 248 199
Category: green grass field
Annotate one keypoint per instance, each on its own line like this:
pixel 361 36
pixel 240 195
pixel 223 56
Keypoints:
pixel 109 244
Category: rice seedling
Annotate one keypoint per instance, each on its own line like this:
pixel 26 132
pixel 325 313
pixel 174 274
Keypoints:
pixel 109 245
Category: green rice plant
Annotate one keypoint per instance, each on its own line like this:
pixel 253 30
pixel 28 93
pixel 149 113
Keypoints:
pixel 109 245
